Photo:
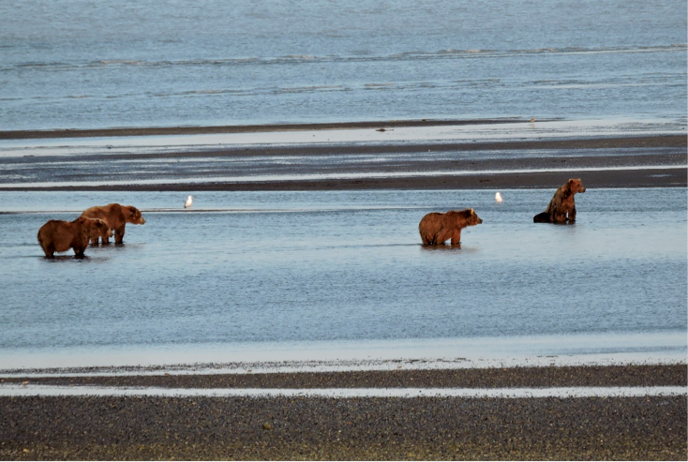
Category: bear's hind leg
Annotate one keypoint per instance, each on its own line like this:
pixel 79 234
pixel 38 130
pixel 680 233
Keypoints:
pixel 49 250
pixel 428 240
pixel 48 247
pixel 541 218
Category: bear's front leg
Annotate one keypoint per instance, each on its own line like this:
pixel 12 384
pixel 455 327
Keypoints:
pixel 572 215
pixel 456 237
pixel 119 235
pixel 558 217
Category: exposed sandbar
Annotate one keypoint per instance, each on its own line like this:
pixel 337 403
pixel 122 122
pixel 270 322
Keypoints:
pixel 643 161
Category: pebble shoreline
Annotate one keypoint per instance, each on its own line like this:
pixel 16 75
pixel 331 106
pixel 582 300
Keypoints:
pixel 278 428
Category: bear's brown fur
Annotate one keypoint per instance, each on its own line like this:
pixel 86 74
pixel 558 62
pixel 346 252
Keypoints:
pixel 435 228
pixel 562 207
pixel 116 216
pixel 60 235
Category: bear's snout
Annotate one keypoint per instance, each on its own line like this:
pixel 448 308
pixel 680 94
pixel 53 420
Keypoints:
pixel 480 220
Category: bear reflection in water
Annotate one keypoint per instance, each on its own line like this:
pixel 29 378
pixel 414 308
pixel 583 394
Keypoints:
pixel 116 216
pixel 60 235
pixel 435 228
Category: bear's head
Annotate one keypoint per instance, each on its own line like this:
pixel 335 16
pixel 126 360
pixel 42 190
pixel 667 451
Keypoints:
pixel 472 218
pixel 575 185
pixel 133 215
pixel 465 218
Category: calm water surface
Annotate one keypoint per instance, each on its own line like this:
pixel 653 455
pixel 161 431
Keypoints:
pixel 245 269
pixel 84 64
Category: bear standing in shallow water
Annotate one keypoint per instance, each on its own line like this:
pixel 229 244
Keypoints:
pixel 60 235
pixel 435 228
pixel 116 216
pixel 562 207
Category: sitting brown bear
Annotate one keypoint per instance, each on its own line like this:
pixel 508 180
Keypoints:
pixel 60 235
pixel 116 216
pixel 562 207
pixel 435 228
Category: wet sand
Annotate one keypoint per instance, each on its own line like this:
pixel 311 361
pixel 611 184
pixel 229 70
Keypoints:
pixel 200 130
pixel 279 428
pixel 620 161
pixel 511 377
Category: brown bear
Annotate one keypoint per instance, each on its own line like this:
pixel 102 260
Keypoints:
pixel 60 235
pixel 435 228
pixel 116 216
pixel 562 207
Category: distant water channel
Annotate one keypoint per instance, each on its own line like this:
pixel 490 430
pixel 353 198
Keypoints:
pixel 245 269
pixel 92 65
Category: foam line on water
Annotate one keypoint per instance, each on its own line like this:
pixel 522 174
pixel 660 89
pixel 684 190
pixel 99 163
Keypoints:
pixel 18 390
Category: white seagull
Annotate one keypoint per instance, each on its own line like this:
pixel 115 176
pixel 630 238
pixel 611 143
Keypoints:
pixel 498 198
pixel 189 201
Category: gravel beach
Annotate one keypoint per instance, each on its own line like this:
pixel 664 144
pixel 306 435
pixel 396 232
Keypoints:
pixel 303 427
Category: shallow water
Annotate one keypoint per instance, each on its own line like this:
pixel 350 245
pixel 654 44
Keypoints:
pixel 323 270
pixel 80 64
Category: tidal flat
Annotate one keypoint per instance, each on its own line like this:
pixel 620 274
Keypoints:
pixel 322 284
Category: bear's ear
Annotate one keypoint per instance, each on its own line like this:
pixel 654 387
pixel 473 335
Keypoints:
pixel 471 211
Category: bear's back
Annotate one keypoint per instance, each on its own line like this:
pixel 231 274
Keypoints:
pixel 59 234
pixel 111 213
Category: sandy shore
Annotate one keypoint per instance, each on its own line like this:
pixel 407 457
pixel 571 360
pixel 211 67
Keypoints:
pixel 602 161
pixel 278 428
pixel 407 154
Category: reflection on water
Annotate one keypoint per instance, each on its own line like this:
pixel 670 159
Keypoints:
pixel 249 268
